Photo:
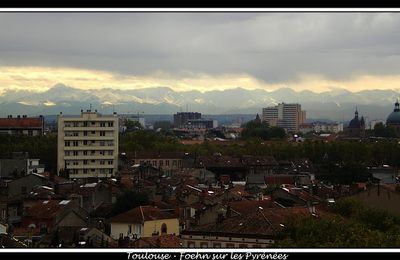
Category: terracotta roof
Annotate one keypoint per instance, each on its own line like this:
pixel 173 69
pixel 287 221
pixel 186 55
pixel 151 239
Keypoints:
pixel 264 222
pixel 157 155
pixel 279 179
pixel 219 161
pixel 163 241
pixel 246 206
pixel 21 122
pixel 47 209
pixel 141 214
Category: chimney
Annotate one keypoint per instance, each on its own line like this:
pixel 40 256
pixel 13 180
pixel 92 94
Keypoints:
pixel 18 116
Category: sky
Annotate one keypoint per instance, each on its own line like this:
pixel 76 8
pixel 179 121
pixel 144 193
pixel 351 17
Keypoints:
pixel 200 51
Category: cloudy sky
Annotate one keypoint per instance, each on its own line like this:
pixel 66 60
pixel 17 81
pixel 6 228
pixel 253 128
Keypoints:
pixel 202 51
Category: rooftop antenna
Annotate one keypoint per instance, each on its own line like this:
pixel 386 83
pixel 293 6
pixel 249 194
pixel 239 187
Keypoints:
pixel 90 107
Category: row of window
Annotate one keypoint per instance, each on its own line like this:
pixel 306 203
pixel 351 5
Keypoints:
pixel 90 143
pixel 89 124
pixel 86 133
pixel 91 153
pixel 159 163
pixel 218 245
pixel 92 171
pixel 86 162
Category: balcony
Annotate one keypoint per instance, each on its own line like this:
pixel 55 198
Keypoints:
pixel 90 157
pixel 88 147
pixel 89 128
pixel 89 137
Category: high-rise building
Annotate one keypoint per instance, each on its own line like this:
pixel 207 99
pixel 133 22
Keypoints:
pixel 181 118
pixel 287 116
pixel 88 145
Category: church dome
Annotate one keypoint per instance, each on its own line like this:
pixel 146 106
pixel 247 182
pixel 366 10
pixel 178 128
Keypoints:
pixel 394 117
pixel 355 122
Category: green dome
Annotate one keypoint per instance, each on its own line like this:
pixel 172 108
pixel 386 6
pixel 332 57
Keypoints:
pixel 394 117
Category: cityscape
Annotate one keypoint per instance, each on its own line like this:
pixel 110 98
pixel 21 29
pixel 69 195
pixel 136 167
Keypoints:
pixel 112 136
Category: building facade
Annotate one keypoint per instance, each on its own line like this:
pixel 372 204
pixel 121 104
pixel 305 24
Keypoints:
pixel 22 125
pixel 88 145
pixel 287 116
pixel 181 118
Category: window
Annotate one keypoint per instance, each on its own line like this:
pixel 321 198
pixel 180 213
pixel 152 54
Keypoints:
pixel 85 162
pixel 110 152
pixel 161 162
pixel 75 143
pixel 75 134
pixel 129 229
pixel 203 244
pixel 166 162
pixel 110 171
pixel 3 214
pixel 102 143
pixel 85 132
pixel 67 143
pixel 84 152
pixel 191 244
pixel 102 133
pixel 102 162
pixel 93 123
pixel 92 152
pixel 92 161
pixel 230 245
pixel 110 124
pixel 30 132
pixel 164 228
pixel 92 170
pixel 67 153
pixel 75 153
pixel 75 171
pixel 174 163
pixel 85 142
pixel 110 162
pixel 85 124
pixel 243 246
pixel 76 124
pixel 102 124
pixel 216 245
pixel 93 132
pixel 85 171
pixel 154 163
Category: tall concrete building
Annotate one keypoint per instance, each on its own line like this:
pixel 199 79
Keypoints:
pixel 181 118
pixel 287 116
pixel 88 145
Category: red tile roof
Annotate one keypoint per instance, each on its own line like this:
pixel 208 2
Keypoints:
pixel 279 179
pixel 163 241
pixel 21 122
pixel 141 214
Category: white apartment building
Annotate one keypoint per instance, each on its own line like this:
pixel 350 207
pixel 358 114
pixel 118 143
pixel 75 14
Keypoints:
pixel 287 116
pixel 88 145
pixel 321 127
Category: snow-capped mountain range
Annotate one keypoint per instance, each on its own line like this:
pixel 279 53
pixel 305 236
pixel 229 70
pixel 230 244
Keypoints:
pixel 337 104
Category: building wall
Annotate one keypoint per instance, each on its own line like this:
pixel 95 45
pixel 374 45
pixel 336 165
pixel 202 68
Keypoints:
pixel 123 228
pixel 88 145
pixel 206 241
pixel 154 226
pixel 24 184
pixel 288 116
pixel 3 229
pixel 72 220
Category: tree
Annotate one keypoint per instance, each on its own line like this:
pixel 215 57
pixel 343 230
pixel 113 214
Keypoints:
pixel 132 125
pixel 129 200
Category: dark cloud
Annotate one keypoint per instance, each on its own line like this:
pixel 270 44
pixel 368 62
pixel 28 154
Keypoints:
pixel 270 46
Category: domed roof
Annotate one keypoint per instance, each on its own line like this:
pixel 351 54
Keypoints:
pixel 394 117
pixel 355 122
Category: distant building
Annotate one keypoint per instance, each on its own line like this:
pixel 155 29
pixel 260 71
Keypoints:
pixel 356 126
pixel 201 123
pixel 321 127
pixel 393 119
pixel 181 118
pixel 133 118
pixel 24 125
pixel 287 116
pixel 88 145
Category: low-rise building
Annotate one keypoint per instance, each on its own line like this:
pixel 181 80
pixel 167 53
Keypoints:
pixel 22 125
pixel 144 221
